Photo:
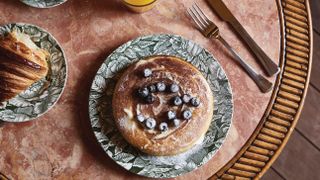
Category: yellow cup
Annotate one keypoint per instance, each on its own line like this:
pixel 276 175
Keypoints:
pixel 140 6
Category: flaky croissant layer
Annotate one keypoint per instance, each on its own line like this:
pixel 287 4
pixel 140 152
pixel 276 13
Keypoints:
pixel 22 63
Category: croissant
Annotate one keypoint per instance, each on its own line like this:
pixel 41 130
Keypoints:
pixel 22 63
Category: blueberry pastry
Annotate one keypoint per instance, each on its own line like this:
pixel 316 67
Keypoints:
pixel 173 109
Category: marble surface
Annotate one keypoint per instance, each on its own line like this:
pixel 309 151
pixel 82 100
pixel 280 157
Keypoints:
pixel 61 145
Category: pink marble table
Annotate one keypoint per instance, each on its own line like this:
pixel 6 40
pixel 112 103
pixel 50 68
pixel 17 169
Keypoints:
pixel 61 145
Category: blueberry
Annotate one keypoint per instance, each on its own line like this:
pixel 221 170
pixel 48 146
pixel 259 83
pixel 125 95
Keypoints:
pixel 150 123
pixel 163 127
pixel 143 92
pixel 177 101
pixel 150 99
pixel 161 86
pixel 147 72
pixel 186 98
pixel 152 88
pixel 187 114
pixel 171 115
pixel 176 122
pixel 140 118
pixel 174 88
pixel 195 102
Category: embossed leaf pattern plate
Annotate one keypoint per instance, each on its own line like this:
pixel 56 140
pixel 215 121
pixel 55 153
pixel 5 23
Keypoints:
pixel 42 95
pixel 43 3
pixel 101 117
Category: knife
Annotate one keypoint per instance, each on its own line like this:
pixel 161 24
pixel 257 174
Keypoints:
pixel 224 13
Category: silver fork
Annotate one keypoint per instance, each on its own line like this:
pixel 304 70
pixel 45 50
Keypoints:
pixel 210 30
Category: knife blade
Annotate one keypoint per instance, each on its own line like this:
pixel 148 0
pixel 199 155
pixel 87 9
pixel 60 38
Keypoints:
pixel 225 14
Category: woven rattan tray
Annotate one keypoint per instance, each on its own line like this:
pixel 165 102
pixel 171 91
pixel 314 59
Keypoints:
pixel 274 130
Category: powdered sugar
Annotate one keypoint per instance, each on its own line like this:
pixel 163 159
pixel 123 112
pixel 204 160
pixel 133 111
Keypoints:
pixel 125 121
pixel 180 160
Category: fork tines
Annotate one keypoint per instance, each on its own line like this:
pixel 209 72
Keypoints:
pixel 207 27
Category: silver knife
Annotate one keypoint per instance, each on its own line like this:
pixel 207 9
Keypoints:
pixel 221 9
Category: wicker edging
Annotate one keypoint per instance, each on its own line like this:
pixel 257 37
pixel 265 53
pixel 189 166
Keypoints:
pixel 284 109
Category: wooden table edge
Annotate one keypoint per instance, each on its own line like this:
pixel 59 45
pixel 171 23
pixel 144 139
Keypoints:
pixel 285 106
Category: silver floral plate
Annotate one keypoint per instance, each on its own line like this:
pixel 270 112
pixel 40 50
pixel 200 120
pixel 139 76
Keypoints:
pixel 100 106
pixel 43 3
pixel 42 95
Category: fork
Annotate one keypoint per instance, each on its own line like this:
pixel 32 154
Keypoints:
pixel 210 30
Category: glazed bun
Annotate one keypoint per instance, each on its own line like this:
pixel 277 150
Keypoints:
pixel 162 105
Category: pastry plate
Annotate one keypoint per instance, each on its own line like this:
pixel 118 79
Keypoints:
pixel 100 109
pixel 42 95
pixel 43 3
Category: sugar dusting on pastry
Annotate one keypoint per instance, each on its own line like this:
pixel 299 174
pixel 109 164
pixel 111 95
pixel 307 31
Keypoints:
pixel 164 135
pixel 126 122
pixel 180 160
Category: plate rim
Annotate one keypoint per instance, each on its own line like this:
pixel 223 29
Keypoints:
pixel 45 7
pixel 153 35
pixel 65 79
